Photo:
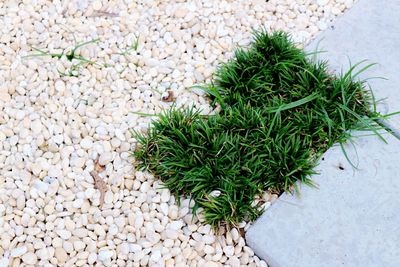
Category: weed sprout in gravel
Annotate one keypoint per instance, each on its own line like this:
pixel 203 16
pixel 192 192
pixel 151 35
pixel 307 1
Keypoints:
pixel 280 111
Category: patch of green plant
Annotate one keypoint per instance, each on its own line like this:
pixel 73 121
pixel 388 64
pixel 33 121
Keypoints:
pixel 125 53
pixel 79 61
pixel 132 48
pixel 71 55
pixel 280 111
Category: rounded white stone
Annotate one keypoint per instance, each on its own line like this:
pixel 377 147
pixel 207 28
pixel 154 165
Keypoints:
pixel 29 258
pixel 20 115
pixel 89 193
pixel 60 255
pixel 59 86
pixel 97 5
pixel 86 143
pixel 18 252
pixel 41 186
pixel 135 248
pixel 92 258
pixel 212 264
pixel 105 158
pixel 77 204
pixel 79 245
pixel 104 255
pixel 4 261
pixel 322 2
pixel 64 234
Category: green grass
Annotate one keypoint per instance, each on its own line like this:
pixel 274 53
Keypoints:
pixel 280 111
pixel 133 48
pixel 71 55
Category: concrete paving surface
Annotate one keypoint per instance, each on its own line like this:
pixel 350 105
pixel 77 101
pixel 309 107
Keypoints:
pixel 353 218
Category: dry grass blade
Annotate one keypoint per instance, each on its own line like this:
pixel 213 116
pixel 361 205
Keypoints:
pixel 101 13
pixel 169 97
pixel 98 182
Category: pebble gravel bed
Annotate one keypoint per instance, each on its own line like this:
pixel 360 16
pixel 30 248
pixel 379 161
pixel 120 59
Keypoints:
pixel 53 128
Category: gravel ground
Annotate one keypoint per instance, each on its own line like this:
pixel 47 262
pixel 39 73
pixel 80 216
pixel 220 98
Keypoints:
pixel 53 128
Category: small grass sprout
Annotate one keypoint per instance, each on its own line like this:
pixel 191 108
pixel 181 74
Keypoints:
pixel 133 47
pixel 127 52
pixel 71 55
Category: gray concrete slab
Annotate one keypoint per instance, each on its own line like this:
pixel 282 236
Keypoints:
pixel 351 220
pixel 370 31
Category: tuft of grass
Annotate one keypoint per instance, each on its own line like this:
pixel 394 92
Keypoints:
pixel 280 111
pixel 125 53
pixel 132 48
pixel 71 55
pixel 78 61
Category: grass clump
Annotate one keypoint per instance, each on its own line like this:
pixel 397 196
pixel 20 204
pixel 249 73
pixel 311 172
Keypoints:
pixel 71 55
pixel 78 61
pixel 280 111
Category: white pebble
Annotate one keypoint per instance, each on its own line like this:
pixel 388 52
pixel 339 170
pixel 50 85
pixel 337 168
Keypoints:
pixel 64 234
pixel 18 252
pixel 77 204
pixel 105 158
pixel 86 143
pixel 135 248
pixel 229 250
pixel 322 2
pixel 29 258
pixel 97 5
pixel 104 255
pixel 4 261
pixel 59 86
pixel 41 186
